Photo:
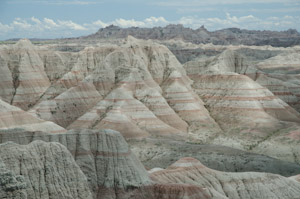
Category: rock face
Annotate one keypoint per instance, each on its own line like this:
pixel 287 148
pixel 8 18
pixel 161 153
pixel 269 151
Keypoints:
pixel 40 170
pixel 233 36
pixel 103 156
pixel 215 184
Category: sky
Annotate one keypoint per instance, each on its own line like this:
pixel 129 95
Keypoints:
pixel 72 18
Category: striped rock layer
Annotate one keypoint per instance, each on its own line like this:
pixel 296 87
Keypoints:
pixel 103 156
pixel 280 75
pixel 13 117
pixel 250 115
pixel 207 183
pixel 140 89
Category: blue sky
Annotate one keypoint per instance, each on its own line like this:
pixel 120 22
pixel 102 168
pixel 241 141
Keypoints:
pixel 69 18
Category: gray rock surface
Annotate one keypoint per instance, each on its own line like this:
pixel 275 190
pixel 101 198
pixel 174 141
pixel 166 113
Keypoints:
pixel 103 156
pixel 11 186
pixel 41 170
pixel 113 172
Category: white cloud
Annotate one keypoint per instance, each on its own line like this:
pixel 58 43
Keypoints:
pixel 49 28
pixel 128 23
pixel 35 20
pixel 153 20
pixel 99 23
pixel 22 24
pixel 71 25
pixel 50 23
pixel 148 22
pixel 5 28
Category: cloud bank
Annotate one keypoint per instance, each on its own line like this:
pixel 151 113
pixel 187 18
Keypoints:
pixel 50 28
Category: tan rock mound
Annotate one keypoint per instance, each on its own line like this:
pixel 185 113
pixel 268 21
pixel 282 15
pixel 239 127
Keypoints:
pixel 248 113
pixel 216 184
pixel 25 79
pixel 14 117
pixel 280 75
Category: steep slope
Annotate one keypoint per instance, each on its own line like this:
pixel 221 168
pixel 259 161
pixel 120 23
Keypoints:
pixel 215 184
pixel 225 92
pixel 151 94
pixel 281 75
pixel 27 80
pixel 48 171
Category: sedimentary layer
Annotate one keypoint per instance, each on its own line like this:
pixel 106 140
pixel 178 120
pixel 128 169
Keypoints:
pixel 215 184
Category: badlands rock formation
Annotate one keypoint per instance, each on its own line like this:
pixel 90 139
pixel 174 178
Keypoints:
pixel 162 153
pixel 48 170
pixel 215 184
pixel 227 36
pixel 14 117
pixel 103 156
pixel 40 170
pixel 140 89
pixel 240 104
pixel 280 75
